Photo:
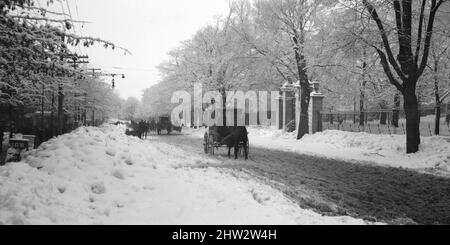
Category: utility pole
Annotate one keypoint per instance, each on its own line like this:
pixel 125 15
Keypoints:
pixel 94 74
pixel 94 70
pixel 74 61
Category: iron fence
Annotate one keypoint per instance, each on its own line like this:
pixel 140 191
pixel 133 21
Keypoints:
pixel 389 121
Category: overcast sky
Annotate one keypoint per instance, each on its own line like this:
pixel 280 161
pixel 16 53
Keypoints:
pixel 148 28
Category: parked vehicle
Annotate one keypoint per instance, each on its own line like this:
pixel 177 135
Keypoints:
pixel 164 123
pixel 230 137
pixel 18 146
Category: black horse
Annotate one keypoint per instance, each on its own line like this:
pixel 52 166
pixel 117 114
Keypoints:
pixel 137 129
pixel 235 137
pixel 142 128
pixel 152 125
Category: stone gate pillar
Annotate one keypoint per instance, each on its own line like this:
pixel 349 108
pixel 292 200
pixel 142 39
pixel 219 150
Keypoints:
pixel 288 105
pixel 315 109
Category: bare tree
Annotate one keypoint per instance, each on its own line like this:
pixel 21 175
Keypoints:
pixel 281 35
pixel 405 70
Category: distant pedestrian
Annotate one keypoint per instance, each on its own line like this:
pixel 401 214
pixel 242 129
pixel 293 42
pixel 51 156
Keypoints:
pixel 141 129
pixel 447 119
pixel 152 125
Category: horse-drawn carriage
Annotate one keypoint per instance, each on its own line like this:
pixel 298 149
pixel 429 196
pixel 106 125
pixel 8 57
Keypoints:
pixel 231 137
pixel 164 123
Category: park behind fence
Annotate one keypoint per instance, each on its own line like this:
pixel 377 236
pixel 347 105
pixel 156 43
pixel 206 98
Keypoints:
pixel 383 121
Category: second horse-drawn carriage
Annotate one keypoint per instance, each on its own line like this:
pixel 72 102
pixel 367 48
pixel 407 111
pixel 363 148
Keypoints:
pixel 230 137
pixel 164 123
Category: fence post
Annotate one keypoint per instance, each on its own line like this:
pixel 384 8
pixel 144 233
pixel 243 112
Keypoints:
pixel 319 122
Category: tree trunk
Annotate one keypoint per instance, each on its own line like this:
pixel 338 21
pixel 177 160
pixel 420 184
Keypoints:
pixel 437 97
pixel 383 118
pixel 60 110
pixel 408 66
pixel 361 110
pixel 411 107
pixel 396 112
pixel 85 110
pixel 305 93
pixel 52 117
pixel 93 118
pixel 362 98
pixel 224 108
pixel 305 97
pixel 437 119
pixel 11 120
pixel 383 114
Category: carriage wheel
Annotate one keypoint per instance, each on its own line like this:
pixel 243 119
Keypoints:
pixel 206 143
pixel 244 149
pixel 211 145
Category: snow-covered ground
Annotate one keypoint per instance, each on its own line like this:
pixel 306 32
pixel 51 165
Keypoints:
pixel 101 176
pixel 385 150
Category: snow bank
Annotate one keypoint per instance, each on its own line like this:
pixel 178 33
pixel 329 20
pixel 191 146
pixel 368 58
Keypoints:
pixel 101 176
pixel 386 150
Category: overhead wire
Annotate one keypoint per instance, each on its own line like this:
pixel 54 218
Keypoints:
pixel 82 25
pixel 74 27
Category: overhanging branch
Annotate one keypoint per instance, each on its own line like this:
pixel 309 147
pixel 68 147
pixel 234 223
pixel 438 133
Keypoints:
pixel 390 55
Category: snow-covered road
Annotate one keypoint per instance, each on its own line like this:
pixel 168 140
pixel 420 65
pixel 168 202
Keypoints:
pixel 336 187
pixel 101 176
pixel 361 148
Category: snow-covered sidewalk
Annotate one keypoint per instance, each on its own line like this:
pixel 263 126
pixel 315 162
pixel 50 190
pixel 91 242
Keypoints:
pixel 101 176
pixel 383 150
